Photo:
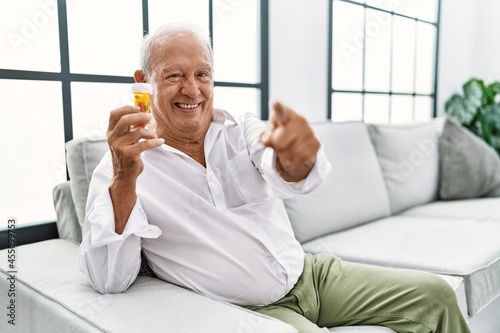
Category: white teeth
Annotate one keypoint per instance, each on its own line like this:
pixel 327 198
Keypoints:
pixel 188 106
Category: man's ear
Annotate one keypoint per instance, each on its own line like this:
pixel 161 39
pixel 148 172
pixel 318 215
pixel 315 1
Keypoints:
pixel 139 76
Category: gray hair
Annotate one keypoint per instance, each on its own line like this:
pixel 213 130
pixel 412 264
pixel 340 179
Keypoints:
pixel 169 30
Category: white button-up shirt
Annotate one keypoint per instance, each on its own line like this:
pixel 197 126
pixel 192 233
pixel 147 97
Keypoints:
pixel 221 230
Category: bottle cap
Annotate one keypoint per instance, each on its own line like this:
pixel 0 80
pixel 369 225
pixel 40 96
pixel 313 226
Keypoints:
pixel 142 87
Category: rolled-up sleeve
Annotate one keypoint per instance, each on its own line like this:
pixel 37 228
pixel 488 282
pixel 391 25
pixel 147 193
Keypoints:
pixel 111 261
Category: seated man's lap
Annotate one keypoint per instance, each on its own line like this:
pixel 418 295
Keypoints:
pixel 331 292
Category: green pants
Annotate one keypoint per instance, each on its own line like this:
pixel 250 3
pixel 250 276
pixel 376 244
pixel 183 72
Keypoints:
pixel 332 293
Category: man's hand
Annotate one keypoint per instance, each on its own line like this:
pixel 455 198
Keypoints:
pixel 293 141
pixel 124 139
pixel 127 139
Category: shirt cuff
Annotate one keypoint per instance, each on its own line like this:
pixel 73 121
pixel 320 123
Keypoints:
pixel 102 223
pixel 318 173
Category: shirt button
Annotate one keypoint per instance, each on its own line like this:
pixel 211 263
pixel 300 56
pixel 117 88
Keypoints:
pixel 252 229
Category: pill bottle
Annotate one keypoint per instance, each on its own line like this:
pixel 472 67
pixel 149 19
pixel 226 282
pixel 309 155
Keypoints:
pixel 142 97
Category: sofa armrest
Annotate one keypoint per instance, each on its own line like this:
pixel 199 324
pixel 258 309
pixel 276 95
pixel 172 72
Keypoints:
pixel 52 295
pixel 67 219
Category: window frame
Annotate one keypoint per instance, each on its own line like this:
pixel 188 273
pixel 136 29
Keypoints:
pixel 331 90
pixel 66 77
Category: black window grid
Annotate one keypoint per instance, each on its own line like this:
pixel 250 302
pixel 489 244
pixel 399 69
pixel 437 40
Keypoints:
pixel 391 92
pixel 66 77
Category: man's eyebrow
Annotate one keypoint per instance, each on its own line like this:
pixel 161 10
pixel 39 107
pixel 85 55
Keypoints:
pixel 166 69
pixel 170 68
pixel 206 66
pixel 173 68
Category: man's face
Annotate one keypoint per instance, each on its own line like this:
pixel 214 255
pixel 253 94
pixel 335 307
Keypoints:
pixel 182 87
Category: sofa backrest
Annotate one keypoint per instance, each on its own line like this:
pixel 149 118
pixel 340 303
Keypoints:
pixel 377 170
pixel 82 156
pixel 409 159
pixel 353 193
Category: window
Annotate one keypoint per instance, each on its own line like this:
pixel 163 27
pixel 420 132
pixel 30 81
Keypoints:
pixel 383 60
pixel 65 64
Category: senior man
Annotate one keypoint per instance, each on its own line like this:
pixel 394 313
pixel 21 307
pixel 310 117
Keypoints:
pixel 198 192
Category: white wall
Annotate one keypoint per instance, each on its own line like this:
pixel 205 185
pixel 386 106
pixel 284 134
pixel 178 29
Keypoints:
pixel 456 47
pixel 487 45
pixel 469 46
pixel 298 52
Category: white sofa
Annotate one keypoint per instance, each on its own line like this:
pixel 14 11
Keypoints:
pixel 379 206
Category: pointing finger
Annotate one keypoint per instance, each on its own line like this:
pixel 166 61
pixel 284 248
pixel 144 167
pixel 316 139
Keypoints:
pixel 282 113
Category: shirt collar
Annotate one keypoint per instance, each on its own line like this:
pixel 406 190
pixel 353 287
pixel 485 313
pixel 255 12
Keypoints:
pixel 219 118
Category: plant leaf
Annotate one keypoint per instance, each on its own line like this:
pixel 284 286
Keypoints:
pixel 461 109
pixel 491 114
pixel 493 89
pixel 485 128
pixel 475 92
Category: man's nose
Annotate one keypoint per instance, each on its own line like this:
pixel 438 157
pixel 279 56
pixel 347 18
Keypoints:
pixel 190 87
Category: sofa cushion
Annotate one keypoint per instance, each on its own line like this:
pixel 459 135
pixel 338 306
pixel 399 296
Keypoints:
pixel 470 168
pixel 82 156
pixel 54 296
pixel 67 221
pixel 465 248
pixel 352 194
pixel 408 156
pixel 486 209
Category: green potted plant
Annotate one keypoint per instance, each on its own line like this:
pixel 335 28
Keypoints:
pixel 478 109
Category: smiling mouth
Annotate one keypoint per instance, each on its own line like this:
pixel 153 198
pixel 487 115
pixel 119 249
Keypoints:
pixel 187 106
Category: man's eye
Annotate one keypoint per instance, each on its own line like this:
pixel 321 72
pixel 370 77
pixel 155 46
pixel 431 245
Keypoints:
pixel 203 76
pixel 174 77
